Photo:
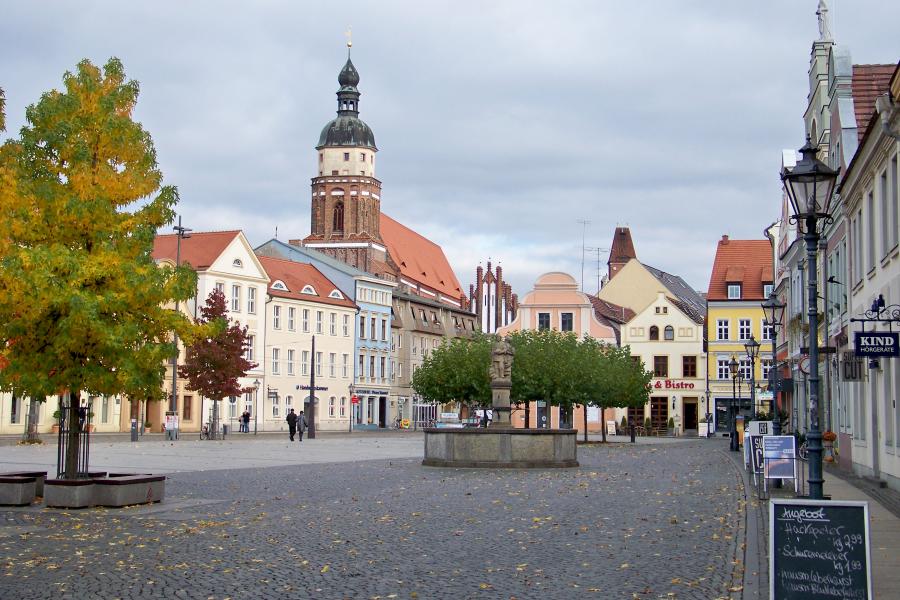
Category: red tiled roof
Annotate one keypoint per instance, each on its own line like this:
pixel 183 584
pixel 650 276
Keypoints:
pixel 613 312
pixel 200 250
pixel 751 258
pixel 622 249
pixel 420 260
pixel 296 276
pixel 868 82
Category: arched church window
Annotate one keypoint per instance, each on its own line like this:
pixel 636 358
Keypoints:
pixel 338 220
pixel 669 332
pixel 654 333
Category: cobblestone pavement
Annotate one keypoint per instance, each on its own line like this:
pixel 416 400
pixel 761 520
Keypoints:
pixel 639 521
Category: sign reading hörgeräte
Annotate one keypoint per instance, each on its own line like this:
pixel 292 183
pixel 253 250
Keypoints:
pixel 819 549
pixel 877 343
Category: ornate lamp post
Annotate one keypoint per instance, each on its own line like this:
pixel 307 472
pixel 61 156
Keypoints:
pixel 172 434
pixel 774 313
pixel 752 348
pixel 732 426
pixel 350 424
pixel 809 187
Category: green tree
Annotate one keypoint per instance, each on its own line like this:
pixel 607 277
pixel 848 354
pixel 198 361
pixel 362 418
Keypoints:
pixel 619 380
pixel 213 363
pixel 82 302
pixel 545 368
pixel 457 371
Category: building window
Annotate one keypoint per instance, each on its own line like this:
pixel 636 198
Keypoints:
pixel 566 322
pixel 331 402
pixel 362 157
pixel 305 320
pixel 290 362
pixel 669 333
pixel 895 204
pixel 276 317
pixel 688 366
pixel 332 357
pixel 232 406
pixel 248 354
pixel 722 369
pixel 345 324
pixel 288 401
pixel 319 316
pixel 318 364
pixel 362 366
pixel 251 300
pixel 332 323
pixel 273 398
pixel 765 366
pixel 362 327
pixel 343 406
pixel 275 356
pixel 745 369
pixel 292 317
pixel 235 298
pixel 543 321
pixel 767 290
pixel 304 362
pixel 187 408
pixel 660 366
pixel 383 367
pixel 734 291
pixel 722 329
pixel 384 330
pixel 220 287
pixel 345 359
pixel 654 332
pixel 744 329
pixel 337 220
pixel 346 156
pixel 372 330
pixel 424 319
pixel 372 367
pixel 766 330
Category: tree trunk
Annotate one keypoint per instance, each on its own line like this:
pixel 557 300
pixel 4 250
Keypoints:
pixel 527 414
pixel 31 425
pixel 603 423
pixel 584 411
pixel 73 432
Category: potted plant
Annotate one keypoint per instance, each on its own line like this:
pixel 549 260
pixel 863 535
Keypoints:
pixel 647 426
pixel 55 427
pixel 828 439
pixel 670 427
pixel 148 426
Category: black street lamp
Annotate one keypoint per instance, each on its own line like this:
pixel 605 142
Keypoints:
pixel 350 424
pixel 809 187
pixel 774 313
pixel 732 426
pixel 172 434
pixel 255 403
pixel 752 348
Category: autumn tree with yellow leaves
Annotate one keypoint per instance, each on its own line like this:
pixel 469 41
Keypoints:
pixel 83 305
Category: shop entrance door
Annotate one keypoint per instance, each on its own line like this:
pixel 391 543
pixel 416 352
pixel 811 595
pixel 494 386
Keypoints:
pixel 382 412
pixel 690 414
pixel 659 412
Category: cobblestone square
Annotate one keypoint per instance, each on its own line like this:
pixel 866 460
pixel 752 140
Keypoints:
pixel 634 521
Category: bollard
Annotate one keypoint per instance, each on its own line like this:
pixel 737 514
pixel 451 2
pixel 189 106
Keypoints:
pixel 134 430
pixel 632 433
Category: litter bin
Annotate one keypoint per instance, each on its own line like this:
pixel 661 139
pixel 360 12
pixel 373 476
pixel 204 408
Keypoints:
pixel 224 429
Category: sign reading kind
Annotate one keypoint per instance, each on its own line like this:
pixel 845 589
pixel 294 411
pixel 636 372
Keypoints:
pixel 877 343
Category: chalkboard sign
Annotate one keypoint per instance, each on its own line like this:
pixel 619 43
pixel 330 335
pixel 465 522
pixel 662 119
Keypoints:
pixel 819 549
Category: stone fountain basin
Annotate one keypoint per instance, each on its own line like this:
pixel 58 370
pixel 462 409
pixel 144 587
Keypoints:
pixel 500 448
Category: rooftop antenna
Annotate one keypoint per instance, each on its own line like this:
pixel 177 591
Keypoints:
pixel 598 251
pixel 276 232
pixel 584 223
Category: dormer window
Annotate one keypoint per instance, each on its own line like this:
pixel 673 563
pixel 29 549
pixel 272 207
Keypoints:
pixel 336 295
pixel 734 291
pixel 767 289
pixel 279 285
pixel 308 289
pixel 237 263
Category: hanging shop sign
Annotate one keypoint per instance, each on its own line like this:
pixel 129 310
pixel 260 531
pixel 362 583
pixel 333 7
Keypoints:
pixel 875 344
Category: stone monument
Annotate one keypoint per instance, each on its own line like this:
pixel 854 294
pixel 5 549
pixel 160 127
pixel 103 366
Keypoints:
pixel 501 445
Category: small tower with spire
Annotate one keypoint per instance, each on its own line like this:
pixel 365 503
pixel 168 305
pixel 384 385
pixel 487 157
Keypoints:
pixel 346 196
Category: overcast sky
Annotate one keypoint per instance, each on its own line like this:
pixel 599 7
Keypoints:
pixel 499 125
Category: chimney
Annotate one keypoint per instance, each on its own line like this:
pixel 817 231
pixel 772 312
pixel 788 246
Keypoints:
pixel 724 239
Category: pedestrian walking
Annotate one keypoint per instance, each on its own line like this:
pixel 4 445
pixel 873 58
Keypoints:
pixel 301 424
pixel 292 424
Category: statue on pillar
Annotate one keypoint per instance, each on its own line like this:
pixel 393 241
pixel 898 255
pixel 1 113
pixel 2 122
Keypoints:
pixel 501 361
pixel 501 382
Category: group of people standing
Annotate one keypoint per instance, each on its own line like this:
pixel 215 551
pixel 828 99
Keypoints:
pixel 244 422
pixel 296 424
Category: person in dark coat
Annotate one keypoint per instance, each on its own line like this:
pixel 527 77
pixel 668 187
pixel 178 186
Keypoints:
pixel 292 424
pixel 246 421
pixel 301 424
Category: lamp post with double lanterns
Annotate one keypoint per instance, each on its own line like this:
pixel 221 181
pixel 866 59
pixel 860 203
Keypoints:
pixel 809 186
pixel 733 366
pixel 774 313
pixel 752 348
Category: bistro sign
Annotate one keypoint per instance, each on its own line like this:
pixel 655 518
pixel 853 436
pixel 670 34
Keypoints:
pixel 877 343
pixel 668 384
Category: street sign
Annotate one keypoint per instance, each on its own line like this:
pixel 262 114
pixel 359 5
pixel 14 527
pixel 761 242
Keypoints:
pixel 318 388
pixel 819 549
pixel 354 399
pixel 874 344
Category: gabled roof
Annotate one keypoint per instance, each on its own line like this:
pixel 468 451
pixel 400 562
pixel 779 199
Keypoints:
pixel 622 249
pixel 868 82
pixel 613 312
pixel 296 276
pixel 200 250
pixel 688 299
pixel 419 259
pixel 751 258
pixel 284 250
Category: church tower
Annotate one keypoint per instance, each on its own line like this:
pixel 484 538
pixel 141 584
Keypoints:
pixel 346 196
